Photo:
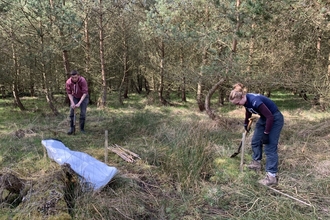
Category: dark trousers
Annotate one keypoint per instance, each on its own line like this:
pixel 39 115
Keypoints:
pixel 83 109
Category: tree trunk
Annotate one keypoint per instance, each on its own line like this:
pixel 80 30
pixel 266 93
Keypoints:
pixel 123 88
pixel 66 62
pixel 88 60
pixel 103 98
pixel 208 110
pixel 66 69
pixel 251 51
pixel 47 89
pixel 3 91
pixel 238 25
pixel 161 78
pixel 126 79
pixel 18 102
pixel 200 96
pixel 139 82
pixel 32 90
pixel 15 79
pixel 222 96
pixel 235 41
pixel 126 70
pixel 329 65
pixel 183 83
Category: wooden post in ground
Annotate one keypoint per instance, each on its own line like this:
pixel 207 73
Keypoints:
pixel 106 147
pixel 44 149
pixel 242 152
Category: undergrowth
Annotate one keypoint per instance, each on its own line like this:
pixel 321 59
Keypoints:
pixel 185 170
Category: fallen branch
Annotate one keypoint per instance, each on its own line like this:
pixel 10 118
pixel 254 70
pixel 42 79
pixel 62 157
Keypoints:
pixel 122 154
pixel 125 154
pixel 284 194
pixel 128 151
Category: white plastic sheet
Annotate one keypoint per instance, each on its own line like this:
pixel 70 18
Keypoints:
pixel 96 173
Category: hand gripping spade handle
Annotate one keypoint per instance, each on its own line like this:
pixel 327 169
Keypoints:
pixel 243 139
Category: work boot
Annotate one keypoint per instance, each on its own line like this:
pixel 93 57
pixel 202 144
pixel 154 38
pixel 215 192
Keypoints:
pixel 82 125
pixel 72 128
pixel 254 165
pixel 269 180
pixel 71 131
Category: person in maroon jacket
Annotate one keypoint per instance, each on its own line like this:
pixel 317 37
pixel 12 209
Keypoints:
pixel 77 90
pixel 267 130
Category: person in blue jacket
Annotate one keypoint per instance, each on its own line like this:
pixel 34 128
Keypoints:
pixel 267 130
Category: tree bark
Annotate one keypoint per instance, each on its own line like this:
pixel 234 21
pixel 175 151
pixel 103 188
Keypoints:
pixel 208 109
pixel 123 88
pixel 200 97
pixel 88 60
pixel 48 93
pixel 66 62
pixel 251 51
pixel 15 79
pixel 161 73
pixel 183 83
pixel 103 98
pixel 235 41
pixel 238 25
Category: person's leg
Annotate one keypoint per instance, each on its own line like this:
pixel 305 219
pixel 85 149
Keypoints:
pixel 71 131
pixel 256 139
pixel 72 127
pixel 271 151
pixel 256 144
pixel 271 148
pixel 83 110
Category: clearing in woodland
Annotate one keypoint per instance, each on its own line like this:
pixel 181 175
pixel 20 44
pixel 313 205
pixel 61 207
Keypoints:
pixel 184 169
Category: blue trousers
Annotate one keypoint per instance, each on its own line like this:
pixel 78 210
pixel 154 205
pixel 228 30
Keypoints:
pixel 271 148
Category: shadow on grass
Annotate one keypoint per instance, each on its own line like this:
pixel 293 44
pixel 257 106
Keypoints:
pixel 287 101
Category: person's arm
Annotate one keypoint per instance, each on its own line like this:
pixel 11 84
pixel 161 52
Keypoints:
pixel 246 120
pixel 71 100
pixel 247 116
pixel 68 92
pixel 84 88
pixel 81 99
pixel 264 111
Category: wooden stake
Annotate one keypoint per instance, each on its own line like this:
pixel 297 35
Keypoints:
pixel 44 149
pixel 242 152
pixel 106 147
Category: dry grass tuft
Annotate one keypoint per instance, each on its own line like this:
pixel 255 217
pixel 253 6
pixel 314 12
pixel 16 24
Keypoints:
pixel 322 169
pixel 185 170
pixel 320 129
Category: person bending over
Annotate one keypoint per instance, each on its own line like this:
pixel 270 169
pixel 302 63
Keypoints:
pixel 267 130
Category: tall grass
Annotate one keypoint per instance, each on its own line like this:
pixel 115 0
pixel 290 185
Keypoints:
pixel 188 155
pixel 185 170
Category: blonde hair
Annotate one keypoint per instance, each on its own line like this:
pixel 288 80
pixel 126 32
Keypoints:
pixel 238 91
